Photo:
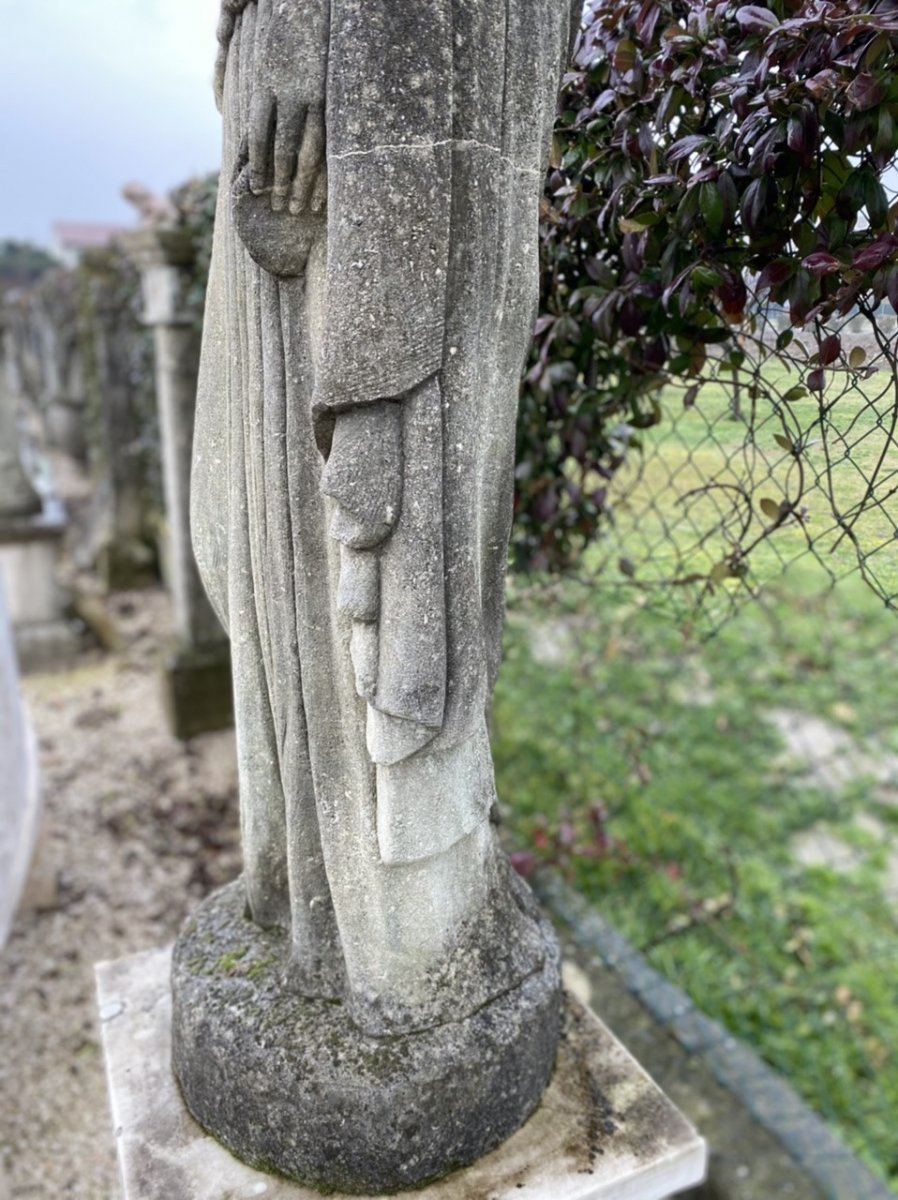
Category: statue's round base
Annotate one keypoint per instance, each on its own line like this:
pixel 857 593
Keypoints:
pixel 290 1085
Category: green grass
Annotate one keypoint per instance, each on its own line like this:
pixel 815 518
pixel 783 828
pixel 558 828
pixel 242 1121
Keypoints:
pixel 684 511
pixel 603 703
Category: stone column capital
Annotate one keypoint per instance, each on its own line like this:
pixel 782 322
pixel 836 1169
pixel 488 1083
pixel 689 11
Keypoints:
pixel 163 257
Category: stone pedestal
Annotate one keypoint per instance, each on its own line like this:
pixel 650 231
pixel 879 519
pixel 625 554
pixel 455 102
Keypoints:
pixel 278 1076
pixel 197 675
pixel 29 555
pixel 604 1130
pixel 197 689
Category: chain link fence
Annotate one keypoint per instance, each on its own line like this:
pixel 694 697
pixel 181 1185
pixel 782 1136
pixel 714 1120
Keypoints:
pixel 730 801
pixel 787 450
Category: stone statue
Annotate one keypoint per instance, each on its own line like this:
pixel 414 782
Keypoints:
pixel 18 496
pixel 370 305
pixel 154 211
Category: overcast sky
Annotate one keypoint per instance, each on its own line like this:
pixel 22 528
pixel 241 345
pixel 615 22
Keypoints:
pixel 95 94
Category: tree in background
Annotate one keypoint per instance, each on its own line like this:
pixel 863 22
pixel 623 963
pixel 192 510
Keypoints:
pixel 22 263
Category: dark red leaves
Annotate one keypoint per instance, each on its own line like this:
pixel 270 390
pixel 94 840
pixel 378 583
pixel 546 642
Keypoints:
pixel 630 318
pixel 872 257
pixel 647 21
pixel 803 133
pixel 686 147
pixel 756 200
pixel 866 91
pixel 830 349
pixel 733 295
pixel 775 274
pixel 625 56
pixel 754 19
pixel 821 263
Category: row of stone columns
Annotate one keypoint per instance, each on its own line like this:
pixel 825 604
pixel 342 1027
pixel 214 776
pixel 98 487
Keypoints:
pixel 197 669
pixel 93 348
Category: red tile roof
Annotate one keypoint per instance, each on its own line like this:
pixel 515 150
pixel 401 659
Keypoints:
pixel 73 235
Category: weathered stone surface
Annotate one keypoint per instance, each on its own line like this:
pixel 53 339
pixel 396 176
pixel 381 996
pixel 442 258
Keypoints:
pixel 19 790
pixel 290 1083
pixel 121 540
pixel 18 496
pixel 602 1132
pixel 372 292
pixel 367 405
pixel 48 360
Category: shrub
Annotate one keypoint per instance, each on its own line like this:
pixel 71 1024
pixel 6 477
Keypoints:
pixel 711 160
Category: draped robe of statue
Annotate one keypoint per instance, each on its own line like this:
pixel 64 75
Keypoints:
pixel 363 675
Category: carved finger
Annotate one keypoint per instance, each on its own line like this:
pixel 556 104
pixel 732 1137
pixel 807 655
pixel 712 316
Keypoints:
pixel 364 474
pixel 364 646
pixel 358 592
pixel 310 161
pixel 261 124
pixel 286 144
pixel 358 533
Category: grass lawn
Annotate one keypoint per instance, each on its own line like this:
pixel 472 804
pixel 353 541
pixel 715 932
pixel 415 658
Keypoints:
pixel 691 852
pixel 656 774
pixel 703 485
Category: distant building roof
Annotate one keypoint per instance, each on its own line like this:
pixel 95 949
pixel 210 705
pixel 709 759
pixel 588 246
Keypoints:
pixel 72 235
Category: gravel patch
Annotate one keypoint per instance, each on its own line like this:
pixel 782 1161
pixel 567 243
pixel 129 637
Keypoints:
pixel 137 828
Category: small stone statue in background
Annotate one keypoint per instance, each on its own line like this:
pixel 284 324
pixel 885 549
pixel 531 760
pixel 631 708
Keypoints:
pixel 155 212
pixel 378 1000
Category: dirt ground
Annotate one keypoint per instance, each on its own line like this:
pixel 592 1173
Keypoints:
pixel 137 827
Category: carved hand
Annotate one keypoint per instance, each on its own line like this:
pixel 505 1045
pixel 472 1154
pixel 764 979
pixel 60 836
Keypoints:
pixel 364 475
pixel 286 130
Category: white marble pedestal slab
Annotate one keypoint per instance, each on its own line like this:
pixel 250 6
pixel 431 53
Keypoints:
pixel 604 1130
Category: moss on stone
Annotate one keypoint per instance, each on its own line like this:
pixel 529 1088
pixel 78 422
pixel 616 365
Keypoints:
pixel 258 969
pixel 228 963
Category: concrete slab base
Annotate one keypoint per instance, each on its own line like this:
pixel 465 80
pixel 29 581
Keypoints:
pixel 604 1131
